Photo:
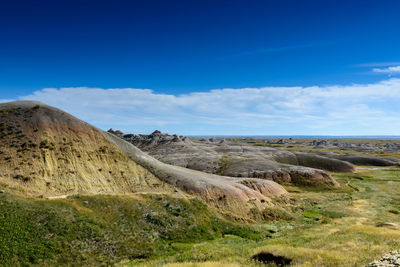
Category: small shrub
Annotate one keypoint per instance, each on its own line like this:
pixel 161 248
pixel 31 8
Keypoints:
pixel 25 145
pixel 32 145
pixel 333 214
pixel 243 233
pixel 310 214
pixel 276 214
pixel 103 149
pixel 44 144
pixel 394 211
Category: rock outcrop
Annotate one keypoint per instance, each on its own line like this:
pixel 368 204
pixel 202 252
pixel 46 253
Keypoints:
pixel 391 259
pixel 226 193
pixel 47 152
pixel 228 158
pixel 359 159
pixel 322 162
pixel 152 140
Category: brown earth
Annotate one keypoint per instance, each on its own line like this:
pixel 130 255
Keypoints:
pixel 47 152
pixel 234 159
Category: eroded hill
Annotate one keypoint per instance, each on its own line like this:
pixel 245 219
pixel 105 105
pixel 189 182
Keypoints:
pixel 238 160
pixel 48 152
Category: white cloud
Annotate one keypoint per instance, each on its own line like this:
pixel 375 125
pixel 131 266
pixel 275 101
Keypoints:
pixel 336 110
pixel 6 100
pixel 378 64
pixel 388 70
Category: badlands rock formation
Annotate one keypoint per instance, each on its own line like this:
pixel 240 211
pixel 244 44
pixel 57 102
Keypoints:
pixel 359 159
pixel 237 160
pixel 48 152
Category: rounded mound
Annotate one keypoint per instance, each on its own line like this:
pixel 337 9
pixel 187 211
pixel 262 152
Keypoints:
pixel 51 153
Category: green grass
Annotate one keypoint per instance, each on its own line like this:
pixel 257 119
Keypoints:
pixel 329 228
pixel 97 230
pixel 223 165
pixel 320 227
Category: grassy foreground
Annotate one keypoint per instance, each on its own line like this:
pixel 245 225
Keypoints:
pixel 333 228
pixel 329 228
pixel 103 230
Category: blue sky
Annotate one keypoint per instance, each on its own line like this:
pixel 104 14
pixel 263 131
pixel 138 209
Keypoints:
pixel 208 67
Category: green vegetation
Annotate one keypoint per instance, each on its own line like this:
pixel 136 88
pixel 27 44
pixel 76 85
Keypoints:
pixel 223 165
pixel 277 214
pixel 45 144
pixel 394 211
pixel 103 149
pixel 96 230
pixel 329 228
pixel 339 226
pixel 315 227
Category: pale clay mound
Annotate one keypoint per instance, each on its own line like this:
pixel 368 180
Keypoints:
pixel 224 192
pixel 234 159
pixel 48 152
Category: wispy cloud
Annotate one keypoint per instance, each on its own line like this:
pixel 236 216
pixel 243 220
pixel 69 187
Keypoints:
pixel 6 100
pixel 341 110
pixel 389 70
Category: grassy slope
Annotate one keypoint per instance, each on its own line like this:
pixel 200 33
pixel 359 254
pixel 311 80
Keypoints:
pixel 95 230
pixel 335 228
pixel 330 228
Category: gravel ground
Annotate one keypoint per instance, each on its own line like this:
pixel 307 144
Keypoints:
pixel 388 260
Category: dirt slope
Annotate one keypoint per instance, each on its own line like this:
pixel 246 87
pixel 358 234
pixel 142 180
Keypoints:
pixel 45 151
pixel 234 159
pixel 224 192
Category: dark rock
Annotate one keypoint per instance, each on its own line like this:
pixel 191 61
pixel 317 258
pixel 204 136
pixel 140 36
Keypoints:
pixel 269 258
pixel 156 132
pixel 116 132
pixel 319 143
